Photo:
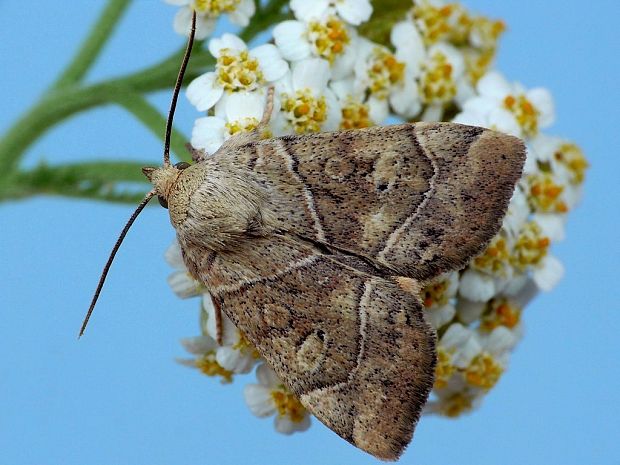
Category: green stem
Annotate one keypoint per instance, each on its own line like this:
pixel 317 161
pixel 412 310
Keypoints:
pixel 95 180
pixel 92 46
pixel 62 103
pixel 154 121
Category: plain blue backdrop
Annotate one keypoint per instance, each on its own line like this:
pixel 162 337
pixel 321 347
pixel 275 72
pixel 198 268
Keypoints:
pixel 117 397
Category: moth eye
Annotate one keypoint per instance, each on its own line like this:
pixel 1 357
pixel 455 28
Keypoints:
pixel 163 202
pixel 182 165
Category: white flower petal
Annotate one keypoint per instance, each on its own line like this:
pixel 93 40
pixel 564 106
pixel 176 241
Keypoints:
pixel 543 101
pixel 343 88
pixel 242 13
pixel 208 133
pixel 552 225
pixel 334 112
pixel 174 257
pixel 476 286
pixel 227 41
pixel 289 38
pixel 432 113
pixel 502 120
pixel 241 105
pixel 234 360
pixel 344 62
pixel 204 91
pixel 354 12
pixel 312 73
pixel 462 343
pixel 270 61
pixel 258 399
pixel 409 46
pixel 266 376
pixel 199 345
pixel 500 341
pixel 405 100
pixel 378 109
pixel 285 425
pixel 306 10
pixel 549 274
pixel 437 317
pixel 183 285
pixel 494 85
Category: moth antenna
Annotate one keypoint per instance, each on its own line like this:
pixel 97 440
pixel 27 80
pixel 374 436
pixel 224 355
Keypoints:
pixel 108 264
pixel 177 89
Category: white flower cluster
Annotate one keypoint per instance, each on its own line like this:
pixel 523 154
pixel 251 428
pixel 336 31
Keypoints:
pixel 328 77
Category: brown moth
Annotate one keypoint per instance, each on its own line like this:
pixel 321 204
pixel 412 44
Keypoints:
pixel 316 247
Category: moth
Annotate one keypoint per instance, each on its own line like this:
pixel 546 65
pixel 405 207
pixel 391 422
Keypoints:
pixel 316 247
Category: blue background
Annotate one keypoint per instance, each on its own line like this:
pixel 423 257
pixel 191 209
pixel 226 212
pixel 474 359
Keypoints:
pixel 117 397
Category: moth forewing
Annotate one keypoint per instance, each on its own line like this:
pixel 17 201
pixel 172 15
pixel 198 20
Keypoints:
pixel 304 242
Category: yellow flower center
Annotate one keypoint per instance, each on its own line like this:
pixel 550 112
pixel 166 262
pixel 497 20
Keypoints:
pixel 487 31
pixel 436 23
pixel 531 247
pixel 384 71
pixel 435 294
pixel 444 368
pixel 456 405
pixel 355 115
pixel 437 81
pixel 328 38
pixel 214 8
pixel 545 195
pixel 242 125
pixel 495 257
pixel 209 366
pixel 238 71
pixel 243 345
pixel 304 112
pixel 571 156
pixel 288 405
pixel 500 312
pixel 477 63
pixel 483 371
pixel 525 113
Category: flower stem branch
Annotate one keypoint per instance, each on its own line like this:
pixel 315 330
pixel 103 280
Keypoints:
pixel 94 43
pixel 94 180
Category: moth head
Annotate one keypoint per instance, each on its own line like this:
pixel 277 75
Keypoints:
pixel 163 179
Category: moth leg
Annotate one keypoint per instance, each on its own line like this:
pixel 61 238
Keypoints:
pixel 198 155
pixel 268 109
pixel 219 332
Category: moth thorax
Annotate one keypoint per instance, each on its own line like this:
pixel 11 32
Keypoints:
pixel 224 212
pixel 163 179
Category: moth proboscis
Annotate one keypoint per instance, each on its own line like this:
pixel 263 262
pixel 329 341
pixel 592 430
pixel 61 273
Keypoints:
pixel 316 246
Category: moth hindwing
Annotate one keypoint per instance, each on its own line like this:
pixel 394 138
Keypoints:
pixel 315 247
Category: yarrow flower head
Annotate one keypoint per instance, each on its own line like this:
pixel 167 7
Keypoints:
pixel 508 107
pixel 237 70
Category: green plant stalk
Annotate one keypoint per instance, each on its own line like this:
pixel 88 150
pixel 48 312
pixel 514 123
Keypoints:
pixel 97 180
pixel 92 46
